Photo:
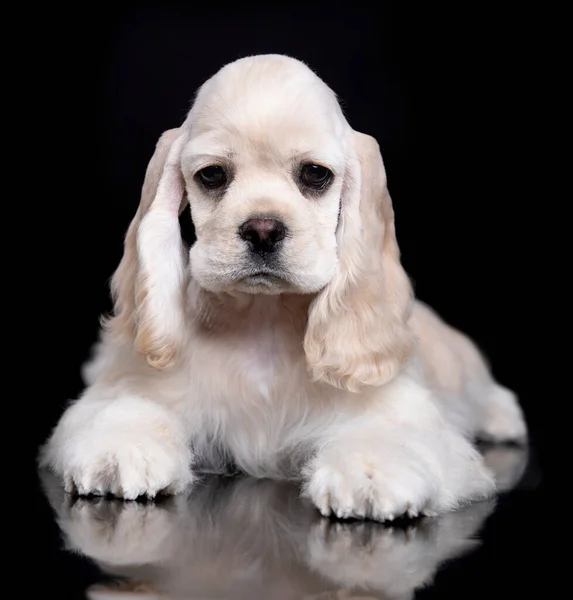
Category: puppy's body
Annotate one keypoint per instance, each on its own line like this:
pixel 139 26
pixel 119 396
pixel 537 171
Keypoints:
pixel 301 357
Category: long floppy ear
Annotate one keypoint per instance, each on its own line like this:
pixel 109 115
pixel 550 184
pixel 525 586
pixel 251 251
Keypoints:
pixel 357 333
pixel 147 287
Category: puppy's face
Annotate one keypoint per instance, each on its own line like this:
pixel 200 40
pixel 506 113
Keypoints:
pixel 264 168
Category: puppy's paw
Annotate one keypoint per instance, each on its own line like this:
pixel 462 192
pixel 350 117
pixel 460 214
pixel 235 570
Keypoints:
pixel 507 463
pixel 362 485
pixel 127 467
pixel 504 420
pixel 130 448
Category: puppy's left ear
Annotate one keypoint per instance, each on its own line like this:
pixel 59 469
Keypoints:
pixel 358 333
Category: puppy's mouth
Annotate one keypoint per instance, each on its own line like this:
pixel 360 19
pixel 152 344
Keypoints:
pixel 262 278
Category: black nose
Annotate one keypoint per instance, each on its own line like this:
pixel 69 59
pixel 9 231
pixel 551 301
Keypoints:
pixel 263 235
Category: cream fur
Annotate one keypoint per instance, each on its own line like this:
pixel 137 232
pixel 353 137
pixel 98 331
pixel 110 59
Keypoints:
pixel 331 374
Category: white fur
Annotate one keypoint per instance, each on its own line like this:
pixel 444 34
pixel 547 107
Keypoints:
pixel 331 375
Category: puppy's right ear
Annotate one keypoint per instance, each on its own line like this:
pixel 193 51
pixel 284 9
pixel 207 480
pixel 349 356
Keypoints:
pixel 147 287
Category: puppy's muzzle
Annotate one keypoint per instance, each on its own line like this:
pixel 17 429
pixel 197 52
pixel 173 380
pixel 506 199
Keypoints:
pixel 263 236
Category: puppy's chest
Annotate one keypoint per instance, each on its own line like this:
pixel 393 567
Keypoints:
pixel 271 360
pixel 262 357
pixel 261 360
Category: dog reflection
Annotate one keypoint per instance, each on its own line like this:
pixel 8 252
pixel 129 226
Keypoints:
pixel 250 539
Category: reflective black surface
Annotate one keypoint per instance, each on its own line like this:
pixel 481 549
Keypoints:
pixel 245 539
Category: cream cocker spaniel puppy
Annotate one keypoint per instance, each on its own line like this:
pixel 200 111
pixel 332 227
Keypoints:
pixel 286 342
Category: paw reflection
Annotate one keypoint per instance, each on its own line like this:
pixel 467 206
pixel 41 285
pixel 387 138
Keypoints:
pixel 246 539
pixel 118 532
pixel 396 559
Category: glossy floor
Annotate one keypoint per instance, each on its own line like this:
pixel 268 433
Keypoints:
pixel 242 539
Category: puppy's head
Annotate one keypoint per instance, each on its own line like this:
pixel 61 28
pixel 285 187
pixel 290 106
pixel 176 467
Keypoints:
pixel 264 168
pixel 285 198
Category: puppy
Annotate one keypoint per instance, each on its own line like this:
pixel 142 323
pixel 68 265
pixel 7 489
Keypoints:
pixel 286 342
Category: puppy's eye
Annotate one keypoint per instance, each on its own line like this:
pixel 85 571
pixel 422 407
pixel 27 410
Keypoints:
pixel 315 176
pixel 212 177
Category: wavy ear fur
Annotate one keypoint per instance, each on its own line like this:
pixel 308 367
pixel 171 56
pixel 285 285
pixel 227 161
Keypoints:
pixel 357 333
pixel 148 283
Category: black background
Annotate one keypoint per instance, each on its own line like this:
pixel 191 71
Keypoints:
pixel 445 91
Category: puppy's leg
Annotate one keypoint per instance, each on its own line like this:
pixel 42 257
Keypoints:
pixel 111 441
pixel 402 459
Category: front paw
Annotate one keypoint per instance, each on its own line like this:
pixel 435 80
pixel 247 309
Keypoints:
pixel 127 468
pixel 378 487
pixel 129 449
